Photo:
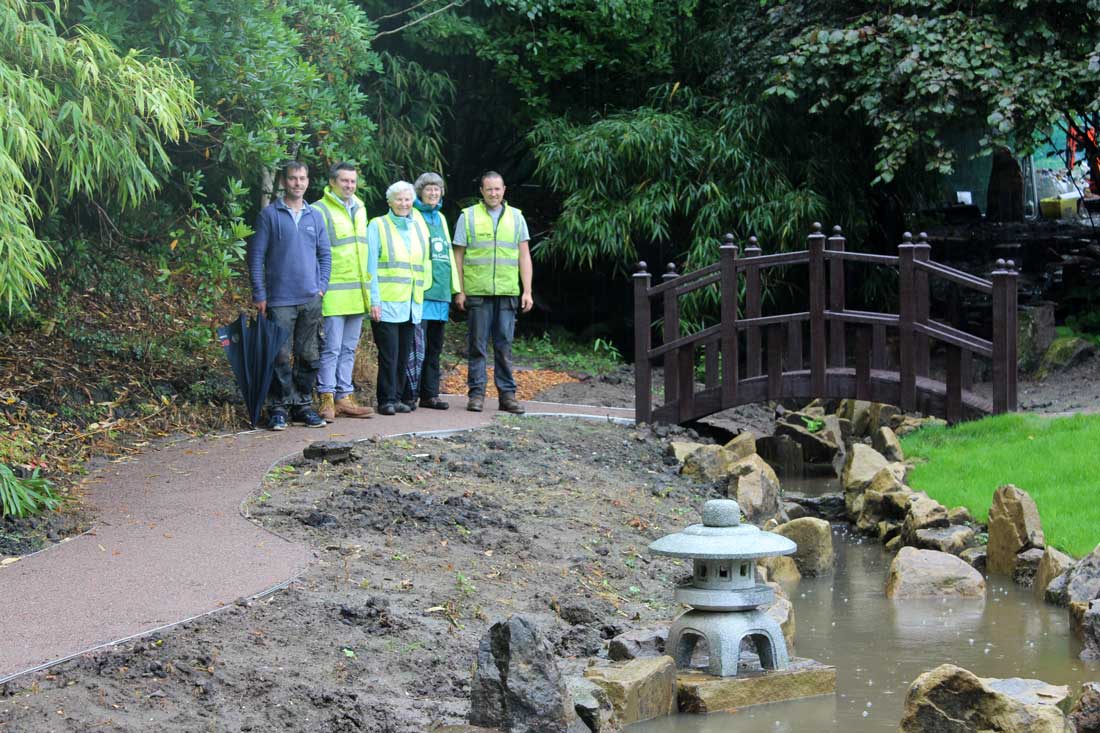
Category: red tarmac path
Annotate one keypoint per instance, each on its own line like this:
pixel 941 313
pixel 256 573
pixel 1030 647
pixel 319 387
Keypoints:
pixel 169 541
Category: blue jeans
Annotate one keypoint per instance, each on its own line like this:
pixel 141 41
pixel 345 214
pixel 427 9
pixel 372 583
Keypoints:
pixel 495 315
pixel 338 354
pixel 292 385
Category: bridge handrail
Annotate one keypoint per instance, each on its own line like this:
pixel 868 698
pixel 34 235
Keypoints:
pixel 956 276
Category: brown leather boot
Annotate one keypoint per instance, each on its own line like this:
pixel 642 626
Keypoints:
pixel 509 403
pixel 328 409
pixel 346 407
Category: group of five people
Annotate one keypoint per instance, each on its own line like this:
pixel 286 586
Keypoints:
pixel 319 269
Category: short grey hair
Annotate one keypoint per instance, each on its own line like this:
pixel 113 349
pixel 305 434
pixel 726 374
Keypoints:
pixel 429 179
pixel 399 187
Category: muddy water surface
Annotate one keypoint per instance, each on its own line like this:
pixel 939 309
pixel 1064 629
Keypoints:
pixel 879 647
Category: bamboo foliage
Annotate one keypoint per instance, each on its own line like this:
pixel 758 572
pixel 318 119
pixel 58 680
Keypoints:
pixel 76 117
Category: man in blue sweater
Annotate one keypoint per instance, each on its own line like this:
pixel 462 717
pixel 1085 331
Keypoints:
pixel 289 262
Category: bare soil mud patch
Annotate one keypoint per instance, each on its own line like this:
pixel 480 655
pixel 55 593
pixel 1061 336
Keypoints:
pixel 421 544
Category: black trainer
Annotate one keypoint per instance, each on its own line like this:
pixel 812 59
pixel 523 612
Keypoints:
pixel 308 416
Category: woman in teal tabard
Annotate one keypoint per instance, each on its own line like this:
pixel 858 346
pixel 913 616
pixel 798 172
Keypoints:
pixel 437 299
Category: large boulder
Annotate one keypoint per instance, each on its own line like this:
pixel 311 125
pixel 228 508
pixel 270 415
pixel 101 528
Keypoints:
pixel 1027 567
pixel 637 643
pixel 592 705
pixel 782 612
pixel 884 415
pixel 1036 333
pixel 1085 714
pixel 931 574
pixel 819 444
pixel 862 464
pixel 1054 563
pixel 826 506
pixel 922 513
pixel 1014 526
pixel 782 453
pixel 681 449
pixel 905 424
pixel 885 499
pixel 859 414
pixel 886 442
pixel 950 699
pixel 517 686
pixel 640 689
pixel 709 463
pixel 1080 583
pixel 742 445
pixel 814 538
pixel 1087 627
pixel 755 487
pixel 1063 353
pixel 781 569
pixel 952 540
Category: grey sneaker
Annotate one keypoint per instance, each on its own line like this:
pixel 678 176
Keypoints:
pixel 509 403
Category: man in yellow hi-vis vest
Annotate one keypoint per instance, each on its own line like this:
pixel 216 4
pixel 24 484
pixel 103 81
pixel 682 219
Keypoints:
pixel 348 297
pixel 493 258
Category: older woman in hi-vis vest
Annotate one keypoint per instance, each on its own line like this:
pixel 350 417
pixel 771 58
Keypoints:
pixel 400 268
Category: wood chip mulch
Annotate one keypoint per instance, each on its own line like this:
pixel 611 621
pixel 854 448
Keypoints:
pixel 529 382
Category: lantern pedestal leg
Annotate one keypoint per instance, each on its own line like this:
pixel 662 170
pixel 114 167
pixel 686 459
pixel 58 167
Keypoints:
pixel 723 632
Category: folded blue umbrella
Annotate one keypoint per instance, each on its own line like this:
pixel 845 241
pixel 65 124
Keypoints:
pixel 252 345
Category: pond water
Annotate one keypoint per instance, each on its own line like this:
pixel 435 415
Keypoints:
pixel 880 646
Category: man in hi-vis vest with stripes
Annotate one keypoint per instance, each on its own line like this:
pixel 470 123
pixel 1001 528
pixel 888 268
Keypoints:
pixel 493 257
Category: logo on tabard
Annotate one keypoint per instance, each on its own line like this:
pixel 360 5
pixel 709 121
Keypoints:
pixel 438 245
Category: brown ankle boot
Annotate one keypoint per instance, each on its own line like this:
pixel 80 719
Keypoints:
pixel 346 407
pixel 328 409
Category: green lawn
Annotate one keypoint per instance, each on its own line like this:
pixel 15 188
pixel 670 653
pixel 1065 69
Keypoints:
pixel 1055 460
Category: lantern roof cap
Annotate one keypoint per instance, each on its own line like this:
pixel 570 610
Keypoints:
pixel 721 536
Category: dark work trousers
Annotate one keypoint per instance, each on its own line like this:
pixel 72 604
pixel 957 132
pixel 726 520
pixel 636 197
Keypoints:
pixel 429 373
pixel 490 316
pixel 297 363
pixel 394 340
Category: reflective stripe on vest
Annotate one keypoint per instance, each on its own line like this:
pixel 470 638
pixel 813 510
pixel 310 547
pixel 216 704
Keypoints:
pixel 491 263
pixel 349 285
pixel 400 266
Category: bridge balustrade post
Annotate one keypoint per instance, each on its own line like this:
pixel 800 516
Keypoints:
pixel 671 332
pixel 816 242
pixel 753 302
pixel 1004 337
pixel 922 251
pixel 837 343
pixel 729 296
pixel 906 316
pixel 1012 315
pixel 643 370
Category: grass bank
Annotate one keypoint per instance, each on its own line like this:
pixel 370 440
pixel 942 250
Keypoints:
pixel 1053 459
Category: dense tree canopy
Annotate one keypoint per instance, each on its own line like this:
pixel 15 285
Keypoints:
pixel 77 118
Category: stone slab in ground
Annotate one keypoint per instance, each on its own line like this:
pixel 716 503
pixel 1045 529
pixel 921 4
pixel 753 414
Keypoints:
pixel 699 692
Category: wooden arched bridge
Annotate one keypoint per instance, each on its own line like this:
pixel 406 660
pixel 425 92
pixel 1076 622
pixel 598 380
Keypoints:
pixel 885 357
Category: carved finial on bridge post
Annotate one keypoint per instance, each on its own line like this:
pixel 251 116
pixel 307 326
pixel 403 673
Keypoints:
pixel 670 272
pixel 729 243
pixel 640 268
pixel 753 250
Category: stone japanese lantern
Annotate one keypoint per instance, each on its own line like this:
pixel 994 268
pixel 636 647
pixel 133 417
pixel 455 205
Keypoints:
pixel 724 594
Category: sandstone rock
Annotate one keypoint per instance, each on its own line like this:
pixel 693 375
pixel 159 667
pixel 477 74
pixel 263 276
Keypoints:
pixel 1027 566
pixel 1090 630
pixel 517 685
pixel 680 450
pixel 879 506
pixel 883 415
pixel 952 540
pixel 782 570
pixel 1085 714
pixel 905 424
pixel 814 538
pixel 893 544
pixel 922 513
pixel 1080 583
pixel 704 693
pixel 818 446
pixel 859 413
pixel 709 463
pixel 974 557
pixel 950 698
pixel 886 442
pixel 1063 353
pixel 930 574
pixel 640 689
pixel 794 510
pixel 782 610
pixel 959 515
pixel 755 487
pixel 464 729
pixel 592 705
pixel 1014 526
pixel 862 465
pixel 1077 611
pixel 888 530
pixel 782 453
pixel 742 445
pixel 1036 334
pixel 1054 563
pixel 638 643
